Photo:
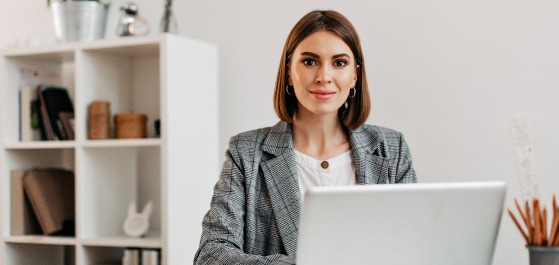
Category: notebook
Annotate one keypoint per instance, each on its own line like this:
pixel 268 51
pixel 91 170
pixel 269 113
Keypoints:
pixel 420 224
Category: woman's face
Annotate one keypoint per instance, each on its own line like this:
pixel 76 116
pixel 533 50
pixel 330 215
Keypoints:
pixel 322 71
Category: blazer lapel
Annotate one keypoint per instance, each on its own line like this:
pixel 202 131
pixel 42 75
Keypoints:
pixel 280 174
pixel 370 165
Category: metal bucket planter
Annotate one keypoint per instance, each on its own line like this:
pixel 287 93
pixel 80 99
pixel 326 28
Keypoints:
pixel 79 20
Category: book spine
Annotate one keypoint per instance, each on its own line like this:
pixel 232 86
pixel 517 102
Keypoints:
pixel 141 256
pixel 27 115
pixel 22 218
pixel 17 206
pixel 45 115
pixel 150 257
pixel 42 132
pixel 131 256
pixel 42 212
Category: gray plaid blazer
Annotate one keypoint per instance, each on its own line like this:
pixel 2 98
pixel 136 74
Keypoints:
pixel 254 213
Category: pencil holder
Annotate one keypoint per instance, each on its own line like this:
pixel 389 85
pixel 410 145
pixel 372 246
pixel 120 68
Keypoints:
pixel 543 255
pixel 130 125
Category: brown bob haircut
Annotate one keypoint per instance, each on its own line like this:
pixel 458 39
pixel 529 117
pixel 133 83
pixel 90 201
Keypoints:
pixel 359 106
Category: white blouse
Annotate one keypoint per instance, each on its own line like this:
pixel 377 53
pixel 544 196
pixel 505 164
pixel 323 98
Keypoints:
pixel 336 171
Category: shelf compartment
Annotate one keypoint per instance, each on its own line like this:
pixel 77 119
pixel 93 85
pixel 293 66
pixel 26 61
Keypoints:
pixel 22 159
pixel 128 79
pixel 111 178
pixel 55 68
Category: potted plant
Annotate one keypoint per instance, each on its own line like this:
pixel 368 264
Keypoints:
pixel 79 20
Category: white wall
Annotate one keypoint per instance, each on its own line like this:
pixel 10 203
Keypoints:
pixel 446 73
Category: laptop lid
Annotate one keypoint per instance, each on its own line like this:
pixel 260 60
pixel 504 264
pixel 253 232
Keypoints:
pixel 420 224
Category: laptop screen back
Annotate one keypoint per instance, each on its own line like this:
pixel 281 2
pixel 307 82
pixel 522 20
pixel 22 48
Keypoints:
pixel 420 224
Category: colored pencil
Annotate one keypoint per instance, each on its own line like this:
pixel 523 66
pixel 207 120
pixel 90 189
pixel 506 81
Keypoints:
pixel 553 233
pixel 544 227
pixel 522 214
pixel 518 226
pixel 538 232
pixel 537 222
pixel 529 224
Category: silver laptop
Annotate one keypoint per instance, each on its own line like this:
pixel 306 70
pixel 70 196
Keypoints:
pixel 419 224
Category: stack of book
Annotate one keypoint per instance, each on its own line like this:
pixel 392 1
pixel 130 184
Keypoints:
pixel 42 202
pixel 46 111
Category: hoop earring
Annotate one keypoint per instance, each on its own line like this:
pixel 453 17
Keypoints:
pixel 354 92
pixel 287 90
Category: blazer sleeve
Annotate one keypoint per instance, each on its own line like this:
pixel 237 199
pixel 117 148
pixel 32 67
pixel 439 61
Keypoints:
pixel 223 238
pixel 404 171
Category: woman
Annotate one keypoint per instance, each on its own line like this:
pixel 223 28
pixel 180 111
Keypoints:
pixel 322 99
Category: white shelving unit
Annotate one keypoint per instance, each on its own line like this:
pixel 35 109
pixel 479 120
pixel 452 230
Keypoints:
pixel 167 77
